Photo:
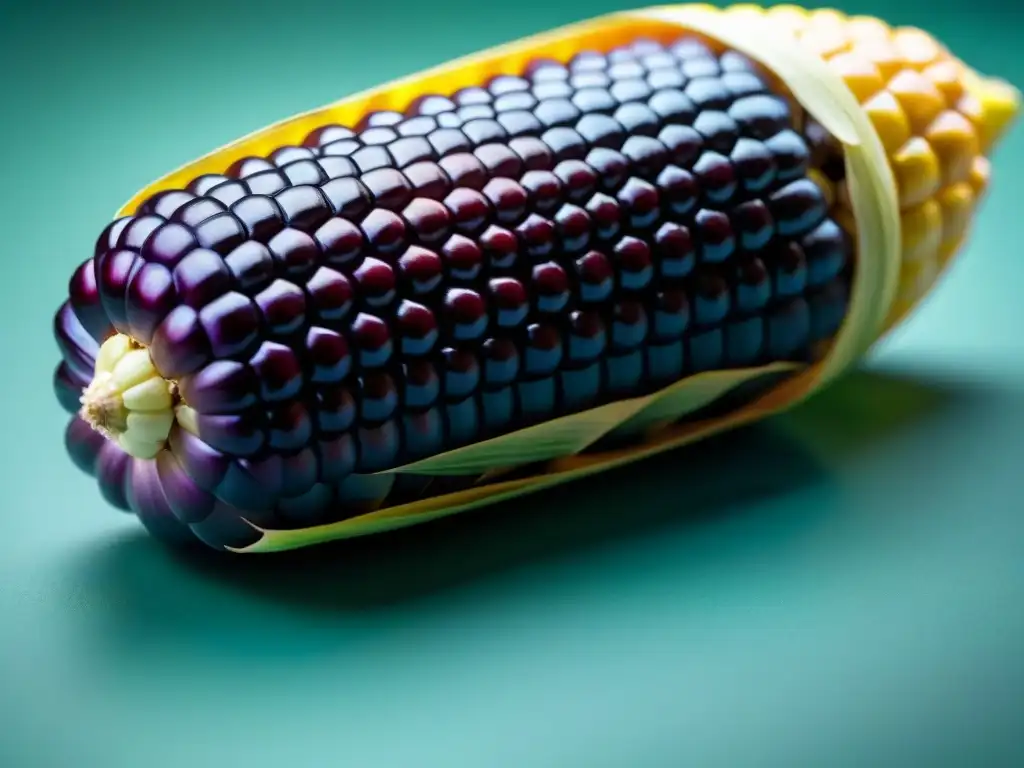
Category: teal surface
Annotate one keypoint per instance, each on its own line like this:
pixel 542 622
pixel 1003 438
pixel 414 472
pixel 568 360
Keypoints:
pixel 841 587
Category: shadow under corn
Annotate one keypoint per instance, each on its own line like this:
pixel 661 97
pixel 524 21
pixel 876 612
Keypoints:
pixel 138 589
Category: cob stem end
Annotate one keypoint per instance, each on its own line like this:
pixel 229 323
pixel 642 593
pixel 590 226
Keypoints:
pixel 128 401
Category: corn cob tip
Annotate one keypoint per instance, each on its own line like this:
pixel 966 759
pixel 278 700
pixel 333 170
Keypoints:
pixel 1000 103
pixel 128 401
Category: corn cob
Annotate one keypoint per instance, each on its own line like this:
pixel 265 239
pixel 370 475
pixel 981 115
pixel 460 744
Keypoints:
pixel 263 337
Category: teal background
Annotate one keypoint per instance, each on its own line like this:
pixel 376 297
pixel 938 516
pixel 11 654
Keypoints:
pixel 843 586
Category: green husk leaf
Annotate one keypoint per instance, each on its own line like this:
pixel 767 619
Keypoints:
pixel 873 195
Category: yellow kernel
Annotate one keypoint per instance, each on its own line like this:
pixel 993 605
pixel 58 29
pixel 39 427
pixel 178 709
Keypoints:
pixel 919 49
pixel 882 54
pixel 825 42
pixel 955 142
pixel 889 120
pixel 867 28
pixel 957 203
pixel 970 107
pixel 949 250
pixel 920 99
pixel 947 77
pixel 860 75
pixel 917 172
pixel 791 17
pixel 1000 103
pixel 981 175
pixel 922 232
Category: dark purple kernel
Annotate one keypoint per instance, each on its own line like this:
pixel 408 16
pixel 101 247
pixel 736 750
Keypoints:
pixel 416 126
pixel 252 266
pixel 702 67
pixel 520 123
pixel 508 198
pixel 475 112
pixel 624 70
pixel 741 84
pixel 304 207
pixel 336 409
pixel 179 345
pixel 448 120
pixel 194 213
pixel 113 273
pixel 565 143
pixel 411 149
pixel 754 164
pixel 797 207
pixel 673 106
pixel 544 190
pixel 639 199
pixel 543 352
pixel 550 287
pixel 578 179
pixel 283 306
pixel 300 492
pixel 328 355
pixel 720 131
pixel 499 160
pixel 223 386
pixel 372 340
pixel 460 372
pixel 594 102
pixel 421 386
pixel 430 105
pixel 428 220
pixel 137 231
pixel 462 258
pixel 601 131
pixel 285 155
pixel 200 185
pixel 267 183
pixel 330 294
pixel 372 159
pixel 261 216
pixel 791 154
pixel 501 84
pixel 416 328
pixel 342 148
pixel 611 167
pixel 85 300
pixel 673 246
pixel 464 170
pixel 509 301
pixel 231 323
pixel 341 242
pixel 648 155
pixel 753 285
pixel 428 180
pixel 221 233
pixel 714 231
pixel 556 112
pixel 709 93
pixel 295 253
pixel 664 77
pixel 678 189
pixel 469 209
pixel 520 100
pixel 587 338
pixel 716 176
pixel 389 188
pixel 671 314
pixel 289 427
pixel 168 244
pixel 201 277
pixel 380 133
pixel 303 172
pixel 753 223
pixel 449 141
pixel 638 119
pixel 336 456
pixel 466 314
pixel 596 277
pixel 472 95
pixel 500 361
pixel 248 166
pixel 500 247
pixel 231 434
pixel 590 79
pixel 378 447
pixel 691 48
pixel 658 60
pixel 552 89
pixel 633 89
pixel 384 231
pixel 164 204
pixel 826 250
pixel 711 299
pixel 537 235
pixel 377 398
pixel 632 259
pixel 683 143
pixel 629 324
pixel 484 131
pixel 375 281
pixel 544 70
pixel 421 269
pixel 605 214
pixel 348 198
pixel 534 153
pixel 760 116
pixel 573 225
pixel 151 296
pixel 588 61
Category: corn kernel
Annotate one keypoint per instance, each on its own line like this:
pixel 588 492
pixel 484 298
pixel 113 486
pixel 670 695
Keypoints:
pixel 921 231
pixel 917 172
pixel 867 28
pixel 919 49
pixel 947 77
pixel 921 100
pixel 957 203
pixel 861 76
pixel 955 142
pixel 882 54
pixel 981 174
pixel 889 120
